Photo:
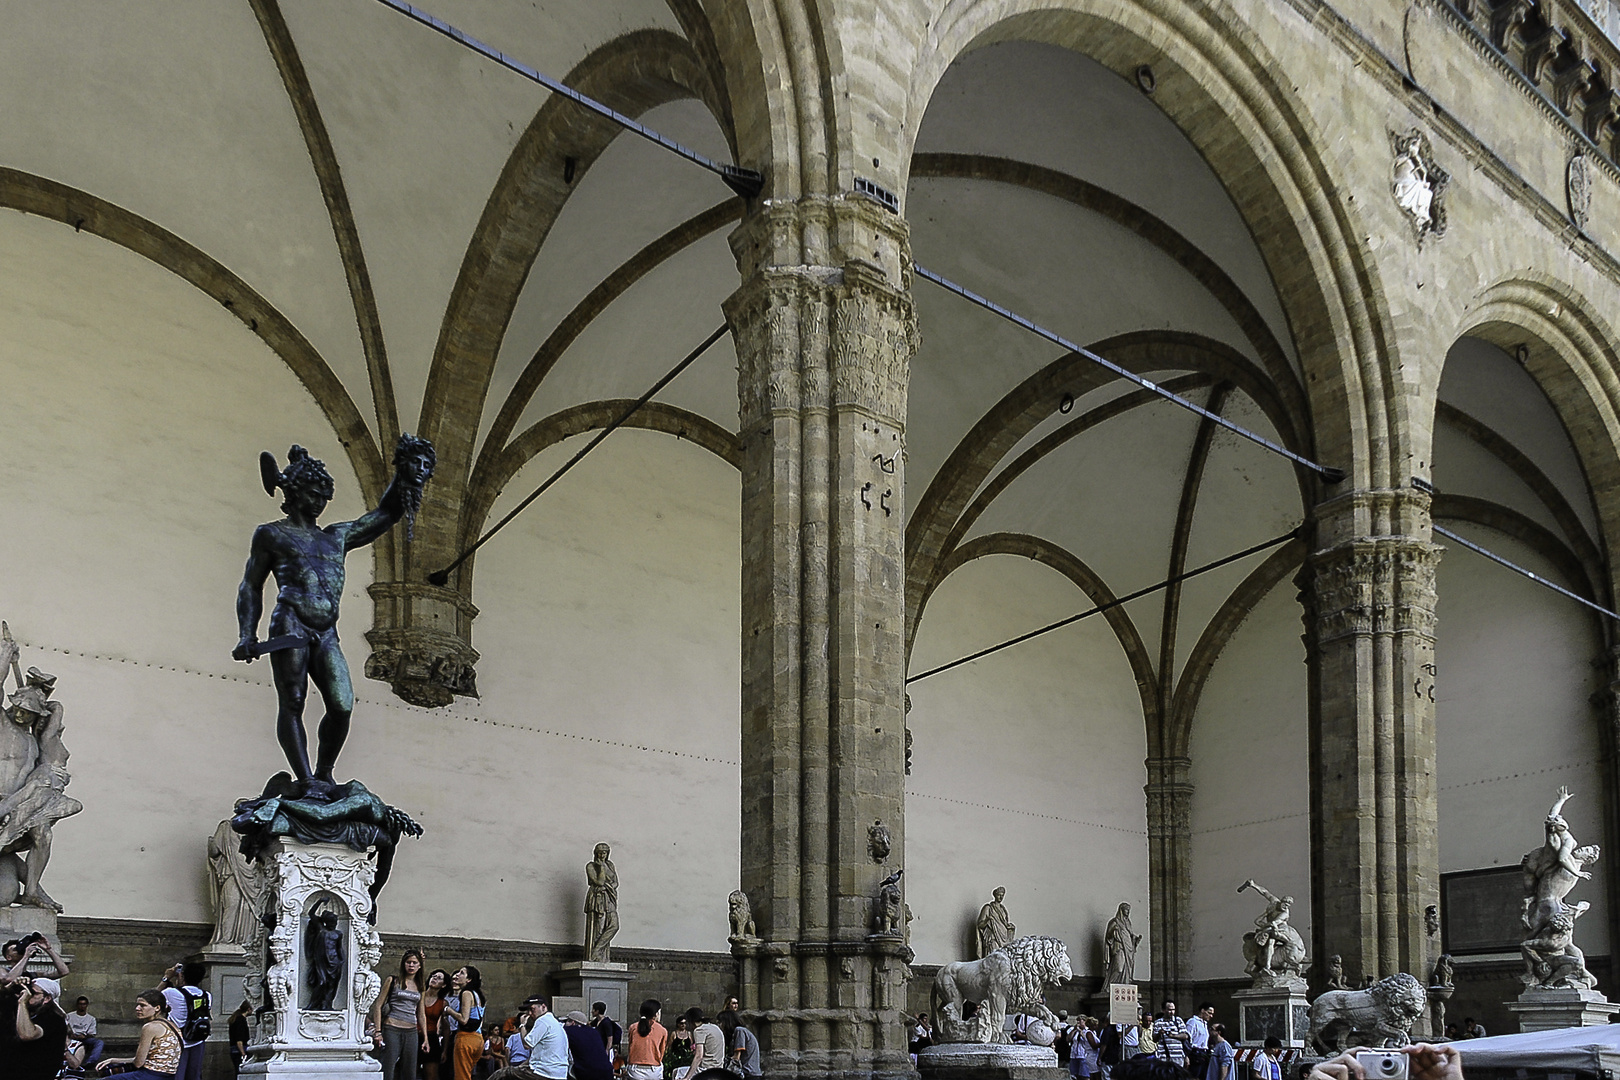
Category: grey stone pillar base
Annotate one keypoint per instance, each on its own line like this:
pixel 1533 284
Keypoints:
pixel 989 1061
pixel 1282 1011
pixel 1544 1010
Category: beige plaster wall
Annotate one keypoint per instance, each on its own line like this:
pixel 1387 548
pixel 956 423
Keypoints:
pixel 1513 720
pixel 1250 804
pixel 1027 768
pixel 609 643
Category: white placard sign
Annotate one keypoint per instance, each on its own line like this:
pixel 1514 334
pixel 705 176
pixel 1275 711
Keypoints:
pixel 1122 1004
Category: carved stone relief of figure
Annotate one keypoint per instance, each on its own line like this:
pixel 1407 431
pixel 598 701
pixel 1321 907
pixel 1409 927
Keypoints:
pixel 234 887
pixel 1418 183
pixel 33 781
pixel 878 841
pixel 601 905
pixel 994 928
pixel 1120 942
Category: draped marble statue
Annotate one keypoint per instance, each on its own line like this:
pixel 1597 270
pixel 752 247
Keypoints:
pixel 994 928
pixel 1120 942
pixel 234 886
pixel 601 905
pixel 33 781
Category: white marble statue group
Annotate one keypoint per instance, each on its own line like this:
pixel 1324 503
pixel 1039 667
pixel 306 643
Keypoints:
pixel 1551 960
pixel 33 780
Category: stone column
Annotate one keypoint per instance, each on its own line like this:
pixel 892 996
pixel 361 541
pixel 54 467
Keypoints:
pixel 824 330
pixel 1169 817
pixel 1369 597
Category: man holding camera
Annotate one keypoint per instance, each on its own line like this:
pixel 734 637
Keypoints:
pixel 36 1029
pixel 18 953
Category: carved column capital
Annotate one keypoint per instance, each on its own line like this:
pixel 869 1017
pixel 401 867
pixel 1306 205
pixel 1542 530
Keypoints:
pixel 1374 585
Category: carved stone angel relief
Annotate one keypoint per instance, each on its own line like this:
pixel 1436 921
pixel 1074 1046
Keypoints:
pixel 1418 184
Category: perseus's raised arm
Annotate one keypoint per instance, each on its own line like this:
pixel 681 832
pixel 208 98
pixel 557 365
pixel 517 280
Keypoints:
pixel 413 466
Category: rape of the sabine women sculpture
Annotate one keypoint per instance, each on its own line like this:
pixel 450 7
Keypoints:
pixel 307 561
pixel 1551 960
pixel 1274 951
pixel 33 781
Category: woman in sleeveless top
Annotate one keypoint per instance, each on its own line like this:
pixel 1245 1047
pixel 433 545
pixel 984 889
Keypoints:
pixel 158 1054
pixel 465 1011
pixel 400 1017
pixel 438 985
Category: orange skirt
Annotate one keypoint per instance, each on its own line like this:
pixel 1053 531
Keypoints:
pixel 465 1051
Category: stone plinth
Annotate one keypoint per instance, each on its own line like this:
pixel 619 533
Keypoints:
pixel 989 1061
pixel 597 982
pixel 226 982
pixel 291 1039
pixel 1543 1010
pixel 1280 1010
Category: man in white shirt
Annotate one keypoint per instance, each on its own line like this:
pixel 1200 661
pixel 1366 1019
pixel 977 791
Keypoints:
pixel 82 1026
pixel 1198 1027
pixel 548 1046
pixel 179 990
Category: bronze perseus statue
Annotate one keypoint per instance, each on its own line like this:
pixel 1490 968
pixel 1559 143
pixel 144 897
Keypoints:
pixel 307 561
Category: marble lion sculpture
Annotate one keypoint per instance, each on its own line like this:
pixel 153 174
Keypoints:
pixel 1010 979
pixel 1380 1015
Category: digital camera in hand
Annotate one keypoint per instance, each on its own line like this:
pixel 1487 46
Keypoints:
pixel 1382 1064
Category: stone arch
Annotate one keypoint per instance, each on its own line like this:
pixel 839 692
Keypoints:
pixel 1218 86
pixel 1570 352
pixel 1088 582
pixel 935 526
pixel 632 74
pixel 37 195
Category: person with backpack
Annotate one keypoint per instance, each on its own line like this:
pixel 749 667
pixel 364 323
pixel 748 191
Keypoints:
pixel 191 1010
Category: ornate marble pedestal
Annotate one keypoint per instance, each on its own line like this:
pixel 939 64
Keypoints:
pixel 1280 1010
pixel 291 1039
pixel 1543 1010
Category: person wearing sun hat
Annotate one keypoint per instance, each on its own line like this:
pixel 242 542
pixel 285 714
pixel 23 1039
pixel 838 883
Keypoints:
pixel 585 1047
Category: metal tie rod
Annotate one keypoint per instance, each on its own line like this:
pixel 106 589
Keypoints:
pixel 745 182
pixel 1110 605
pixel 1327 472
pixel 1517 569
pixel 442 577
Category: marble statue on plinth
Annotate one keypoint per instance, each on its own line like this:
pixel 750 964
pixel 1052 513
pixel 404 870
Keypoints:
pixel 235 888
pixel 1444 970
pixel 601 905
pixel 307 560
pixel 33 781
pixel 1335 973
pixel 1273 950
pixel 1011 979
pixel 1382 1015
pixel 1120 942
pixel 1551 960
pixel 994 928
